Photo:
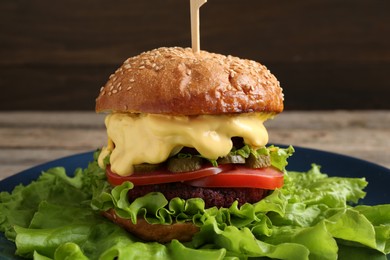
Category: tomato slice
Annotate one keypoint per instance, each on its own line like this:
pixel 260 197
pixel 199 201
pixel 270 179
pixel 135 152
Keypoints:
pixel 240 177
pixel 156 177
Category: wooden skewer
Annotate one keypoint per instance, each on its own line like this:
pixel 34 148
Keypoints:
pixel 195 5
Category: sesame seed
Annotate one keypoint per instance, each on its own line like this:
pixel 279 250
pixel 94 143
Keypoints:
pixel 128 88
pixel 101 89
pixel 141 67
pixel 132 80
pixel 114 91
pixel 109 93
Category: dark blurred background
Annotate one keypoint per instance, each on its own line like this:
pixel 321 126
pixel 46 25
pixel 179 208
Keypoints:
pixel 327 54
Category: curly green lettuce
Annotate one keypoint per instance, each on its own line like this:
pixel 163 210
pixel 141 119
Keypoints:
pixel 311 217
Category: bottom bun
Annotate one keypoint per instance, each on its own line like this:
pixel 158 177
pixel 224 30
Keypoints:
pixel 154 232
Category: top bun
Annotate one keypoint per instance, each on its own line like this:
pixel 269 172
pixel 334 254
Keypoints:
pixel 177 81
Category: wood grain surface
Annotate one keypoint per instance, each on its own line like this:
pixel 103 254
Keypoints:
pixel 31 138
pixel 327 54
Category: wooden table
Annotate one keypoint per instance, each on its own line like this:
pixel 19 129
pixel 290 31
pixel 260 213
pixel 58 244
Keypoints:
pixel 31 138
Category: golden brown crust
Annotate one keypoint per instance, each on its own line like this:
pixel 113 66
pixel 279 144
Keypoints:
pixel 155 232
pixel 177 81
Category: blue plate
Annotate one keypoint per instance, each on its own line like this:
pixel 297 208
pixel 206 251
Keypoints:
pixel 333 164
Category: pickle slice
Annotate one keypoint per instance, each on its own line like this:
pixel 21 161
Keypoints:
pixel 146 167
pixel 187 164
pixel 231 158
pixel 259 161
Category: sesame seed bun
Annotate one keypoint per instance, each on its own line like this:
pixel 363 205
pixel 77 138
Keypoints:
pixel 177 81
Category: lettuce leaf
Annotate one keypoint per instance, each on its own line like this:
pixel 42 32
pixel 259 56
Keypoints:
pixel 277 155
pixel 311 217
pixel 19 207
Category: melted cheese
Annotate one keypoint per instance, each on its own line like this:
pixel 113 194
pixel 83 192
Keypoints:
pixel 150 138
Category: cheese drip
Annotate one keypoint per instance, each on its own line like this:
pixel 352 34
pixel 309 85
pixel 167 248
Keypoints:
pixel 151 138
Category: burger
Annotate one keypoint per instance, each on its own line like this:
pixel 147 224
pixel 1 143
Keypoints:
pixel 189 125
pixel 187 166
